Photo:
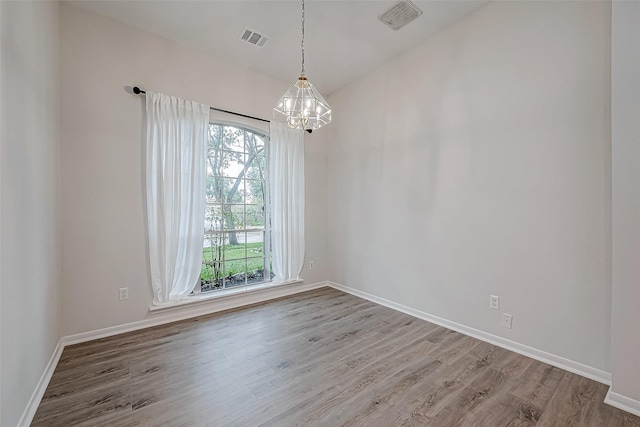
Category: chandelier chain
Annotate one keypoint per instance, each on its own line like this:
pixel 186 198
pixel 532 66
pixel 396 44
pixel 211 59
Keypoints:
pixel 302 42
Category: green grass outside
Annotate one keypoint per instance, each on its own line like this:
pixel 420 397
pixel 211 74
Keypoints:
pixel 233 267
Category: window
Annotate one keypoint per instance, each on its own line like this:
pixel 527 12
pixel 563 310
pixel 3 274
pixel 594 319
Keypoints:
pixel 236 245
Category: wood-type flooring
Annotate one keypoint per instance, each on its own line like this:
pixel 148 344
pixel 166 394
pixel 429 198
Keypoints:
pixel 319 358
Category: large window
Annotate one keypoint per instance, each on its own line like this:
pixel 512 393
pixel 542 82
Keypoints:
pixel 236 251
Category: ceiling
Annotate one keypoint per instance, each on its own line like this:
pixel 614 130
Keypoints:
pixel 343 39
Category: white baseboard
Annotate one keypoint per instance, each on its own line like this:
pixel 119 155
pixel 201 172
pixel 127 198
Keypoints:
pixel 560 362
pixel 621 402
pixel 41 387
pixel 200 309
pixel 181 313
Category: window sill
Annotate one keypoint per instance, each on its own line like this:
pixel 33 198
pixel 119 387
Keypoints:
pixel 220 295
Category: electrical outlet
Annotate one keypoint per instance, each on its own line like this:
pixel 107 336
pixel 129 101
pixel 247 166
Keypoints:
pixel 506 320
pixel 494 302
pixel 124 293
pixel 311 265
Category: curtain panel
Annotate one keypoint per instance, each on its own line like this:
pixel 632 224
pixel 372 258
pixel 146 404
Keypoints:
pixel 176 144
pixel 286 175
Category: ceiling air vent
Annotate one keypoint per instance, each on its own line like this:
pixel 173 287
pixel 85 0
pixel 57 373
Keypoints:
pixel 399 14
pixel 252 36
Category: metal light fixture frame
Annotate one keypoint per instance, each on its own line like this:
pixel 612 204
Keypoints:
pixel 302 106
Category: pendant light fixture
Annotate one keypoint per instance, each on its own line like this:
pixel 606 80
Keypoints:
pixel 302 106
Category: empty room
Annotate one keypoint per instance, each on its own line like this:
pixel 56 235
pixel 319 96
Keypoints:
pixel 319 213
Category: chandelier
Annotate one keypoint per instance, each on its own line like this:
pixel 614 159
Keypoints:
pixel 302 106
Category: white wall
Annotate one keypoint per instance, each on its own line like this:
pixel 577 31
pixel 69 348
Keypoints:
pixel 478 163
pixel 30 198
pixel 104 243
pixel 625 113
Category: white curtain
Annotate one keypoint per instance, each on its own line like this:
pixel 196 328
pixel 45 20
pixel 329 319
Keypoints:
pixel 286 175
pixel 177 132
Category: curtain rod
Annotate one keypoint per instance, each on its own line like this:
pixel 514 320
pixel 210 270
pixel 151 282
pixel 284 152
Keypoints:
pixel 139 91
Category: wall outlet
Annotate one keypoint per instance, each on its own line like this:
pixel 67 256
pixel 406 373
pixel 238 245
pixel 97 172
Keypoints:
pixel 312 265
pixel 506 320
pixel 494 302
pixel 124 293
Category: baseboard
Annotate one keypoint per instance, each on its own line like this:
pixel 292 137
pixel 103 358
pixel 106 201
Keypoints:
pixel 36 396
pixel 621 402
pixel 543 356
pixel 181 313
pixel 200 309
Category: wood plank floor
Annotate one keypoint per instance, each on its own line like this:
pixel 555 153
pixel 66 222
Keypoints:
pixel 321 358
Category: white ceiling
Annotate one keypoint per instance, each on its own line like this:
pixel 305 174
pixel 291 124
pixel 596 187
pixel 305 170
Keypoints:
pixel 343 39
